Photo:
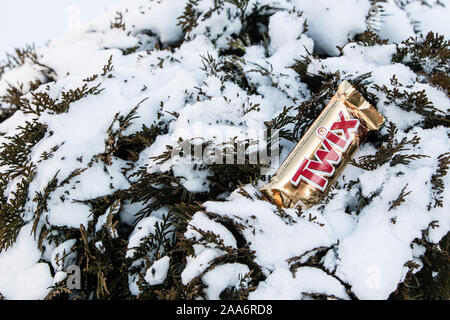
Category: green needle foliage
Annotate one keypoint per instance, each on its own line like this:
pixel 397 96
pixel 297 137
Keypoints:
pixel 102 254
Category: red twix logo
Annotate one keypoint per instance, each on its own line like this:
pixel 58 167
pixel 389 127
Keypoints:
pixel 316 172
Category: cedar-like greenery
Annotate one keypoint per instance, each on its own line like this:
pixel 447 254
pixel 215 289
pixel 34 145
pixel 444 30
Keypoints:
pixel 11 209
pixel 102 254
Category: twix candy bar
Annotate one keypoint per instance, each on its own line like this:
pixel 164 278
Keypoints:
pixel 322 153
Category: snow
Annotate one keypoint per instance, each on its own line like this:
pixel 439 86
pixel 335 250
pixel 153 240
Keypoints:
pixel 372 265
pixel 22 277
pixel 271 232
pixel 287 40
pixel 47 18
pixel 156 272
pixel 362 248
pixel 103 219
pixel 372 251
pixel 371 181
pixel 218 27
pixel 59 276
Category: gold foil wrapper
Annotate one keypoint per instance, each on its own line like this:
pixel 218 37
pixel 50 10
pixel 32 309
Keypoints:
pixel 322 153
